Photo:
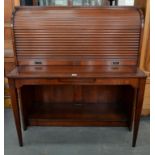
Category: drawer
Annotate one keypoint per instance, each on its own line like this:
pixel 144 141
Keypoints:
pixel 75 71
pixel 77 80
pixel 113 62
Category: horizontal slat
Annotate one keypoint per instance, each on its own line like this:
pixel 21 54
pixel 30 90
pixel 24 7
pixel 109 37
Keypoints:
pixel 63 47
pixel 75 33
pixel 74 23
pixel 67 51
pixel 73 43
pixel 47 44
pixel 91 26
pixel 78 45
pixel 81 48
pixel 67 30
pixel 76 39
pixel 79 54
pixel 78 57
pixel 83 17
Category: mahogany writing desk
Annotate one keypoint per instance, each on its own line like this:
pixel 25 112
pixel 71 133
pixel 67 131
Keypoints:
pixel 77 67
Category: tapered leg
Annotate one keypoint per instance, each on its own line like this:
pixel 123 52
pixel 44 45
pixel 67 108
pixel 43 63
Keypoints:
pixel 23 113
pixel 138 108
pixel 132 109
pixel 15 107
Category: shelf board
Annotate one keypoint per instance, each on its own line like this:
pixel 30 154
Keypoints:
pixel 66 114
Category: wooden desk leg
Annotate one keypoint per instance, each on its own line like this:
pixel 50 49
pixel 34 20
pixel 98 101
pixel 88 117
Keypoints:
pixel 15 107
pixel 138 108
pixel 23 114
pixel 132 110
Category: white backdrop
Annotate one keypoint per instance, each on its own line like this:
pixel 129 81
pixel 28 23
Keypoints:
pixel 125 2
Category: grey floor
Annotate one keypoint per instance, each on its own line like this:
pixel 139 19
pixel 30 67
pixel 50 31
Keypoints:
pixel 76 140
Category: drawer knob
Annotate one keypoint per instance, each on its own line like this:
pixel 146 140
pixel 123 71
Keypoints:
pixel 38 62
pixel 115 62
pixel 74 75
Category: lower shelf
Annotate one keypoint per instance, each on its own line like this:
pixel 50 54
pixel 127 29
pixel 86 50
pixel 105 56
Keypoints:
pixel 79 114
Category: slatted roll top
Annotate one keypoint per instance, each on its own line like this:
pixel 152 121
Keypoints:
pixel 77 36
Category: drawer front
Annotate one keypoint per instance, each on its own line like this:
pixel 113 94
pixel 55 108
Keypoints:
pixel 76 71
pixel 77 80
pixel 113 62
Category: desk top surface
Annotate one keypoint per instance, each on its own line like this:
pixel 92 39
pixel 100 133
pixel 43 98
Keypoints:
pixel 74 71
